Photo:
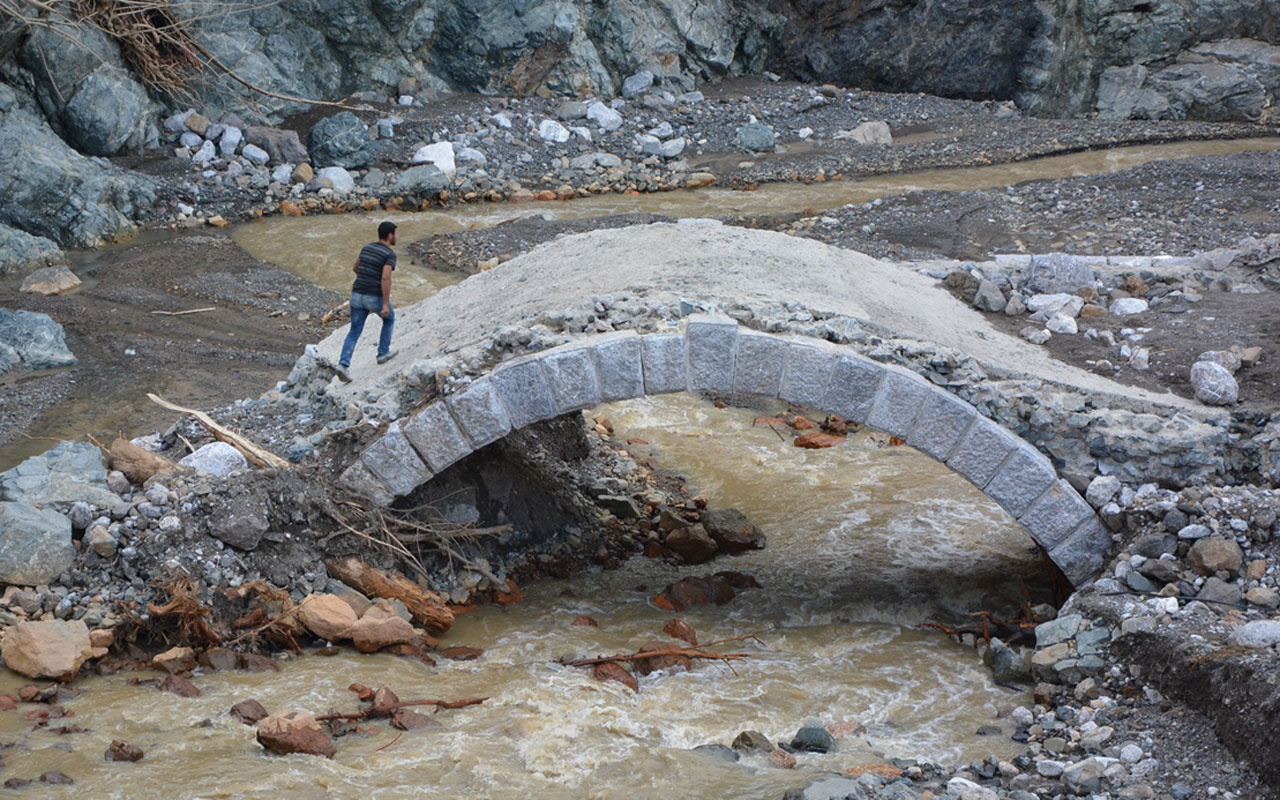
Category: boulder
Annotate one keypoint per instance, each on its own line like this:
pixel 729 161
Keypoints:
pixel 423 181
pixel 175 660
pixel 813 737
pixel 1055 272
pixel 1218 591
pixel 1259 633
pixel 1007 665
pixel 123 751
pixel 282 146
pixel 637 84
pixel 1128 306
pixel 327 616
pixel 1101 490
pixel 692 543
pixel 20 251
pixel 250 711
pixel 216 458
pixel 754 136
pixel 1084 777
pixel 732 531
pixel 1227 359
pixel 872 133
pixel 605 118
pixel 1213 384
pixel 1214 554
pixel 35 544
pixel 46 649
pixel 988 297
pixel 68 472
pixel 288 732
pixel 440 155
pixel 340 141
pixel 371 632
pixel 51 281
pixel 338 179
pixel 36 340
pixel 239 519
pixel 551 131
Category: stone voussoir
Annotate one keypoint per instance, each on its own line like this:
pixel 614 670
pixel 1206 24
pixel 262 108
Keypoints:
pixel 942 423
pixel 1025 475
pixel 712 344
pixel 523 390
pixel 898 403
pixel 479 413
pixel 853 386
pixel 358 479
pixel 664 361
pixel 571 377
pixel 759 363
pixel 394 461
pixel 436 437
pixel 619 362
pixel 981 451
pixel 1055 515
pixel 807 373
pixel 1082 554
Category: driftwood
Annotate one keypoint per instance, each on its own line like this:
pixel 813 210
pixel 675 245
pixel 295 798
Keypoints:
pixel 687 652
pixel 384 710
pixel 137 464
pixel 333 312
pixel 427 608
pixel 258 456
pixel 184 313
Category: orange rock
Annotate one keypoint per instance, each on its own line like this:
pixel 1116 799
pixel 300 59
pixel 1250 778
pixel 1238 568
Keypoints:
pixel 511 595
pixel 770 422
pixel 546 194
pixel 585 621
pixel 102 637
pixel 291 209
pixel 370 633
pixel 250 712
pixel 461 652
pixel 610 671
pixel 407 720
pixel 679 629
pixel 801 423
pixel 175 659
pixel 327 616
pixel 371 203
pixel 383 702
pixel 781 758
pixel 879 770
pixel 1092 310
pixel 839 730
pixel 652 549
pixel 179 685
pixel 295 732
pixel 816 440
pixel 8 702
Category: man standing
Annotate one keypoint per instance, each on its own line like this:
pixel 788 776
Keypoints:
pixel 371 294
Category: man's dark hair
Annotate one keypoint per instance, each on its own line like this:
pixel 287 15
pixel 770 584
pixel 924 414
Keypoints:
pixel 386 229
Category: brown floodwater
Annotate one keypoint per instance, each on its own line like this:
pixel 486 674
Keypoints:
pixel 866 541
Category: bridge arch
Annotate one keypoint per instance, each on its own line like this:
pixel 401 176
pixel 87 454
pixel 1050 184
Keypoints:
pixel 713 353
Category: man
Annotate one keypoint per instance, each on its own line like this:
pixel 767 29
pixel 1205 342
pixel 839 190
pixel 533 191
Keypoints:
pixel 371 294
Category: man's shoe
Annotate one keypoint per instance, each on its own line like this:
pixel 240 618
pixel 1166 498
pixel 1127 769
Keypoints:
pixel 342 373
pixel 390 355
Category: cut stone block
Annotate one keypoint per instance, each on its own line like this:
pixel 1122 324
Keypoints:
pixel 853 386
pixel 1023 478
pixel 712 342
pixel 357 478
pixel 807 375
pixel 394 461
pixel 479 413
pixel 757 368
pixel 665 363
pixel 941 424
pixel 1083 553
pixel 1056 513
pixel 619 367
pixel 572 379
pixel 523 391
pixel 436 437
pixel 981 452
pixel 898 403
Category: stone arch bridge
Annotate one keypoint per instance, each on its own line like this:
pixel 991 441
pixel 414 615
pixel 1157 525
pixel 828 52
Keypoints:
pixel 714 353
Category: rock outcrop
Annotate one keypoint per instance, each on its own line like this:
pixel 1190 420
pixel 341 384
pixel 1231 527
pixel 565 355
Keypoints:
pixel 32 341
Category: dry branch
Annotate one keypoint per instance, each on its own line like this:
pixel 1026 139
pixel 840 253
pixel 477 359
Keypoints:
pixel 687 652
pixel 184 313
pixel 427 608
pixel 256 455
pixel 383 710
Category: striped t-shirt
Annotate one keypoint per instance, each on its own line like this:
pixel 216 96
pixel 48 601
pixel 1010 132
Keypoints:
pixel 373 257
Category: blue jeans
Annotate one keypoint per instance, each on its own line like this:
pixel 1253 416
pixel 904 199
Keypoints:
pixel 362 305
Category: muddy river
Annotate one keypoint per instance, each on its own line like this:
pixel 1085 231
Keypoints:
pixel 866 540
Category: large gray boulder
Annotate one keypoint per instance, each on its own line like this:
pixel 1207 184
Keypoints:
pixel 421 181
pixel 48 189
pixel 35 544
pixel 67 473
pixel 1054 273
pixel 86 92
pixel 22 252
pixel 341 141
pixel 34 340
pixel 1213 384
pixel 216 458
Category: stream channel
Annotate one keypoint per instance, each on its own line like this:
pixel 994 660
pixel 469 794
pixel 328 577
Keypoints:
pixel 866 541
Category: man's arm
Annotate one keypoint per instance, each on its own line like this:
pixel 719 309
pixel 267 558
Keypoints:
pixel 356 266
pixel 386 288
